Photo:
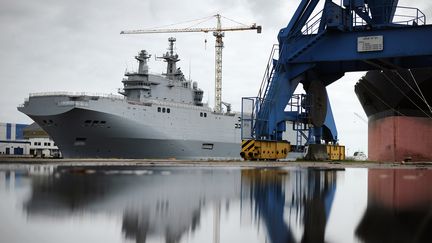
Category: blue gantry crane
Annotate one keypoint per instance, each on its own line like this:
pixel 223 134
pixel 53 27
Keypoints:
pixel 316 49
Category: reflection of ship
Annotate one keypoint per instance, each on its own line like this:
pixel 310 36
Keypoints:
pixel 399 207
pixel 169 202
pixel 400 118
pixel 152 202
pixel 158 116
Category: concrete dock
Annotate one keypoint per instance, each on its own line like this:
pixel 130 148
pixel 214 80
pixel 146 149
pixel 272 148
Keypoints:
pixel 212 163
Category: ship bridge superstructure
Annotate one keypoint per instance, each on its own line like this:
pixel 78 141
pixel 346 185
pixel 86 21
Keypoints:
pixel 170 86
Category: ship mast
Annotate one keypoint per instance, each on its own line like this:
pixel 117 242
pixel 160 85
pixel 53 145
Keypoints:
pixel 171 58
pixel 142 58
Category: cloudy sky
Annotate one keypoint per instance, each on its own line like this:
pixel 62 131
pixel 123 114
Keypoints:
pixel 75 45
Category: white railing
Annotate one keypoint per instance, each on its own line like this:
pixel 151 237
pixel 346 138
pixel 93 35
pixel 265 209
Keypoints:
pixel 127 72
pixel 76 94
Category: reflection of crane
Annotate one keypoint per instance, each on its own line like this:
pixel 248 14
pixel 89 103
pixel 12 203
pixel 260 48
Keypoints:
pixel 218 32
pixel 310 196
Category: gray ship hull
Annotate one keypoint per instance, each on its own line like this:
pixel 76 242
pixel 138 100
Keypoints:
pixel 120 136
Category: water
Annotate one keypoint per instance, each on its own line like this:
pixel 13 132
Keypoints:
pixel 207 204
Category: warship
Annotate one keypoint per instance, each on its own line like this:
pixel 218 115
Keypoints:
pixel 155 116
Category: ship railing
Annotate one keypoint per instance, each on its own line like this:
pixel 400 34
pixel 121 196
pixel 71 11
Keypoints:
pixel 130 73
pixel 100 95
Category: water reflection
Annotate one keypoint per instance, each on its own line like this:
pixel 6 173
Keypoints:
pixel 399 207
pixel 308 195
pixel 184 204
pixel 166 202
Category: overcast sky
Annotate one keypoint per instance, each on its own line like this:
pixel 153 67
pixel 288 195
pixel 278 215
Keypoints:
pixel 75 45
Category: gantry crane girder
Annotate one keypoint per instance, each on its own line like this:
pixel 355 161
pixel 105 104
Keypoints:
pixel 360 35
pixel 218 32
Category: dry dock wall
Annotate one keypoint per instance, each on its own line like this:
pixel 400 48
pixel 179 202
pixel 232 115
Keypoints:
pixel 398 138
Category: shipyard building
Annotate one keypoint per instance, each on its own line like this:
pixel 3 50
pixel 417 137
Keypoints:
pixel 12 141
pixel 26 140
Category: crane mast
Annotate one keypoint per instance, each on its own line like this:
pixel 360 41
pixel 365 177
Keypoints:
pixel 218 65
pixel 219 33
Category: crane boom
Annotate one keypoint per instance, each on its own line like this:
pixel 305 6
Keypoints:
pixel 218 32
pixel 205 30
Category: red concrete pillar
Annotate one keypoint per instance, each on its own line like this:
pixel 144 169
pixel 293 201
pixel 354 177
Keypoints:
pixel 398 138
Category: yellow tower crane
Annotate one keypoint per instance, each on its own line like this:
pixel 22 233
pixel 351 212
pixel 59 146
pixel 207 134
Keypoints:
pixel 218 32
